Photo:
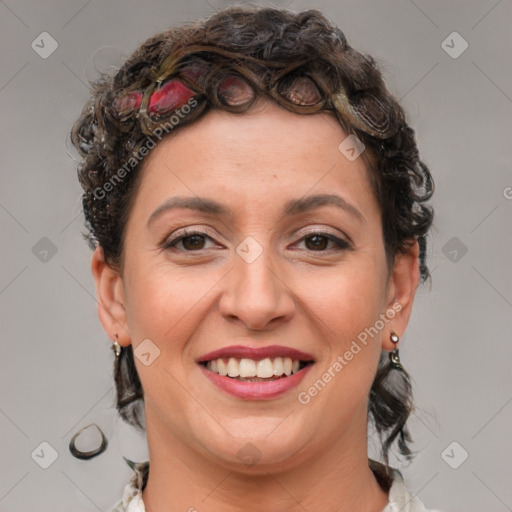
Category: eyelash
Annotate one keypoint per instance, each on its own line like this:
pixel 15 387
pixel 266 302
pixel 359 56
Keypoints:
pixel 343 245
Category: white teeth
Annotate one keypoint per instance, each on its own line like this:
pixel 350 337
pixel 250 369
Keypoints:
pixel 249 368
pixel 222 367
pixel 265 368
pixel 233 367
pixel 287 362
pixel 278 366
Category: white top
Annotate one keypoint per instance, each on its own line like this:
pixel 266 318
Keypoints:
pixel 400 498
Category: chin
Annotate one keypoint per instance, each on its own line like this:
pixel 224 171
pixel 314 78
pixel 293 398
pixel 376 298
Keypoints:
pixel 259 451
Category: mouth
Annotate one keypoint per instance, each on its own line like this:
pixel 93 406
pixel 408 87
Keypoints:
pixel 250 370
pixel 256 373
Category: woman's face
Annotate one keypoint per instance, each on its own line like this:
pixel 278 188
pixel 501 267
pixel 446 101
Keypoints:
pixel 249 273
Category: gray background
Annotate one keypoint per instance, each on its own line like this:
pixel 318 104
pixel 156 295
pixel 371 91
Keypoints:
pixel 56 360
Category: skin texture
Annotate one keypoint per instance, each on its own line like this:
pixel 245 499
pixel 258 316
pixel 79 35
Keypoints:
pixel 316 298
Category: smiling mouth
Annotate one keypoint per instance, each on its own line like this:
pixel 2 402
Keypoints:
pixel 251 370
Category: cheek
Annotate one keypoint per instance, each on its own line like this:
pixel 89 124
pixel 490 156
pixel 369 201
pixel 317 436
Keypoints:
pixel 347 299
pixel 163 306
pixel 348 304
pixel 164 302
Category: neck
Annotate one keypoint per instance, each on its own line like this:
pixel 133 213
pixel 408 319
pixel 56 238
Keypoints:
pixel 338 478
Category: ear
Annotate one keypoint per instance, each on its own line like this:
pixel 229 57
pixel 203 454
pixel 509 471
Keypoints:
pixel 110 295
pixel 402 287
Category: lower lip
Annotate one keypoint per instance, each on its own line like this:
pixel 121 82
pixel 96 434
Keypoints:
pixel 256 390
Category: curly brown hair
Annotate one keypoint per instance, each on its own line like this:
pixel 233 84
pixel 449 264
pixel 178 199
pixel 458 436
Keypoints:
pixel 303 62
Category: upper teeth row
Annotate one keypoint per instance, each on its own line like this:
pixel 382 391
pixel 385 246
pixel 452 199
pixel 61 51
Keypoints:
pixel 246 368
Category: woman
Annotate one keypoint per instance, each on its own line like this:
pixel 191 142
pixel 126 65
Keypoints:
pixel 255 202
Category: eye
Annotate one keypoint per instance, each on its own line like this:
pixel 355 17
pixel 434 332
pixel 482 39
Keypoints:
pixel 318 241
pixel 191 240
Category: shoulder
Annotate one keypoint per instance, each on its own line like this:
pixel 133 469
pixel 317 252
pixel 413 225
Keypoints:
pixel 131 500
pixel 401 499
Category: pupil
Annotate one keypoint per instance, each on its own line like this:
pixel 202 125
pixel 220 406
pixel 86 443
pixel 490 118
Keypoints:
pixel 318 238
pixel 193 245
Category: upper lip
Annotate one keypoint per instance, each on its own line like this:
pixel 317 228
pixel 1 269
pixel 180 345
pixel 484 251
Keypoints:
pixel 241 352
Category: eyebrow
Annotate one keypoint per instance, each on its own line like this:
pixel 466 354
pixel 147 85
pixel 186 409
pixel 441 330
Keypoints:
pixel 292 207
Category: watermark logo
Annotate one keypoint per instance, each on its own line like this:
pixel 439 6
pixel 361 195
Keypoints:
pixel 454 249
pixel 454 455
pixel 249 249
pixel 44 250
pixel 249 454
pixel 44 45
pixel 454 45
pixel 146 352
pixel 44 455
pixel 351 148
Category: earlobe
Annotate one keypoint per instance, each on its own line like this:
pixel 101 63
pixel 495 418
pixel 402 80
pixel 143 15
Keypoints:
pixel 110 297
pixel 402 288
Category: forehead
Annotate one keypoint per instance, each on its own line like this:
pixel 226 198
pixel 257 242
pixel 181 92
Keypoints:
pixel 265 155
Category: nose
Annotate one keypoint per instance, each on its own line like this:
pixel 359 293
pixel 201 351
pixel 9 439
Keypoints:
pixel 256 294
